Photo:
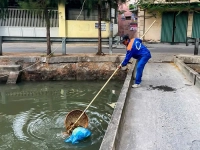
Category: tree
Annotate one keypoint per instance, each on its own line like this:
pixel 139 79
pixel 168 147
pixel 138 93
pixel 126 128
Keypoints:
pixel 92 5
pixel 41 7
pixel 3 8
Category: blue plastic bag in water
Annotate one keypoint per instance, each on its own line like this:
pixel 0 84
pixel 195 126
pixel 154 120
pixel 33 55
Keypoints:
pixel 78 134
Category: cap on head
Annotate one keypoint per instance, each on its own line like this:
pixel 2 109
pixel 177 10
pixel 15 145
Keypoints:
pixel 124 37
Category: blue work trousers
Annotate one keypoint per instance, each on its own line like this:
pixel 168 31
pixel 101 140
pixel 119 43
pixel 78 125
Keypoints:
pixel 140 67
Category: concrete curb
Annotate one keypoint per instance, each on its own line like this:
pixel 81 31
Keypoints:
pixel 193 59
pixel 190 74
pixel 112 132
pixel 117 58
pixel 197 83
pixel 8 68
pixel 187 71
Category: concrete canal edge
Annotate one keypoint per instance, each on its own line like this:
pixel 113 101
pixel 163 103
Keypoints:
pixel 191 75
pixel 99 66
pixel 112 133
pixel 63 67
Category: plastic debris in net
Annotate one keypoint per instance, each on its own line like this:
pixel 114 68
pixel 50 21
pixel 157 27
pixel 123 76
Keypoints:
pixel 78 135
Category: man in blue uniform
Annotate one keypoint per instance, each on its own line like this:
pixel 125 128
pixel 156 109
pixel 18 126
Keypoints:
pixel 135 49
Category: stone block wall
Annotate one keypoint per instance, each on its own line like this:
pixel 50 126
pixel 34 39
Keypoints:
pixel 68 67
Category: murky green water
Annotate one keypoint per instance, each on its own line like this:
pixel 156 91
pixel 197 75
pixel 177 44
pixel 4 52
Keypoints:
pixel 32 114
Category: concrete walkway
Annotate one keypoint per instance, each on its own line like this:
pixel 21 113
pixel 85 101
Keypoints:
pixel 163 114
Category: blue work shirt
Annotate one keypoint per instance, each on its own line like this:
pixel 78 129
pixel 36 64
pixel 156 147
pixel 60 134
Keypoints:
pixel 136 50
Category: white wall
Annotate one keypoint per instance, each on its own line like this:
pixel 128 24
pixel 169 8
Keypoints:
pixel 28 31
pixel 115 29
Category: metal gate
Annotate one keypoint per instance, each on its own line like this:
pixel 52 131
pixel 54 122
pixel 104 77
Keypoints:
pixel 181 22
pixel 196 25
pixel 174 27
pixel 167 26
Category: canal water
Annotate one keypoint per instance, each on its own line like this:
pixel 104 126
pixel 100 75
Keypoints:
pixel 32 114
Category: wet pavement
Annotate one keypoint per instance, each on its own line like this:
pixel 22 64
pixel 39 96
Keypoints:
pixel 162 114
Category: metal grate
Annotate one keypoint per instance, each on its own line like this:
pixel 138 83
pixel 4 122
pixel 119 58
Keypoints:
pixel 27 18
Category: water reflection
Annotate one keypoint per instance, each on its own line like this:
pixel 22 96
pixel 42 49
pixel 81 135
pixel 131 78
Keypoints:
pixel 32 114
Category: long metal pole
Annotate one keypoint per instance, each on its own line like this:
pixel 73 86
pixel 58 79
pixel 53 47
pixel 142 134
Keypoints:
pixel 103 86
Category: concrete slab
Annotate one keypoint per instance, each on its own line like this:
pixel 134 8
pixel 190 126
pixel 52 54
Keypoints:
pixel 111 136
pixel 186 70
pixel 5 68
pixel 12 78
pixel 163 114
pixel 190 59
pixel 159 57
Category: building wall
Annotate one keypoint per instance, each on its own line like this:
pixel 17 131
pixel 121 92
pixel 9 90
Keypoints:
pixel 74 13
pixel 124 23
pixel 62 18
pixel 21 23
pixel 145 21
pixel 190 22
pixel 27 31
pixel 140 23
pixel 154 32
pixel 85 29
pixel 79 28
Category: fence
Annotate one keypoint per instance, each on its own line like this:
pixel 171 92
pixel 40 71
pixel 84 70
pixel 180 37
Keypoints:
pixel 27 18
